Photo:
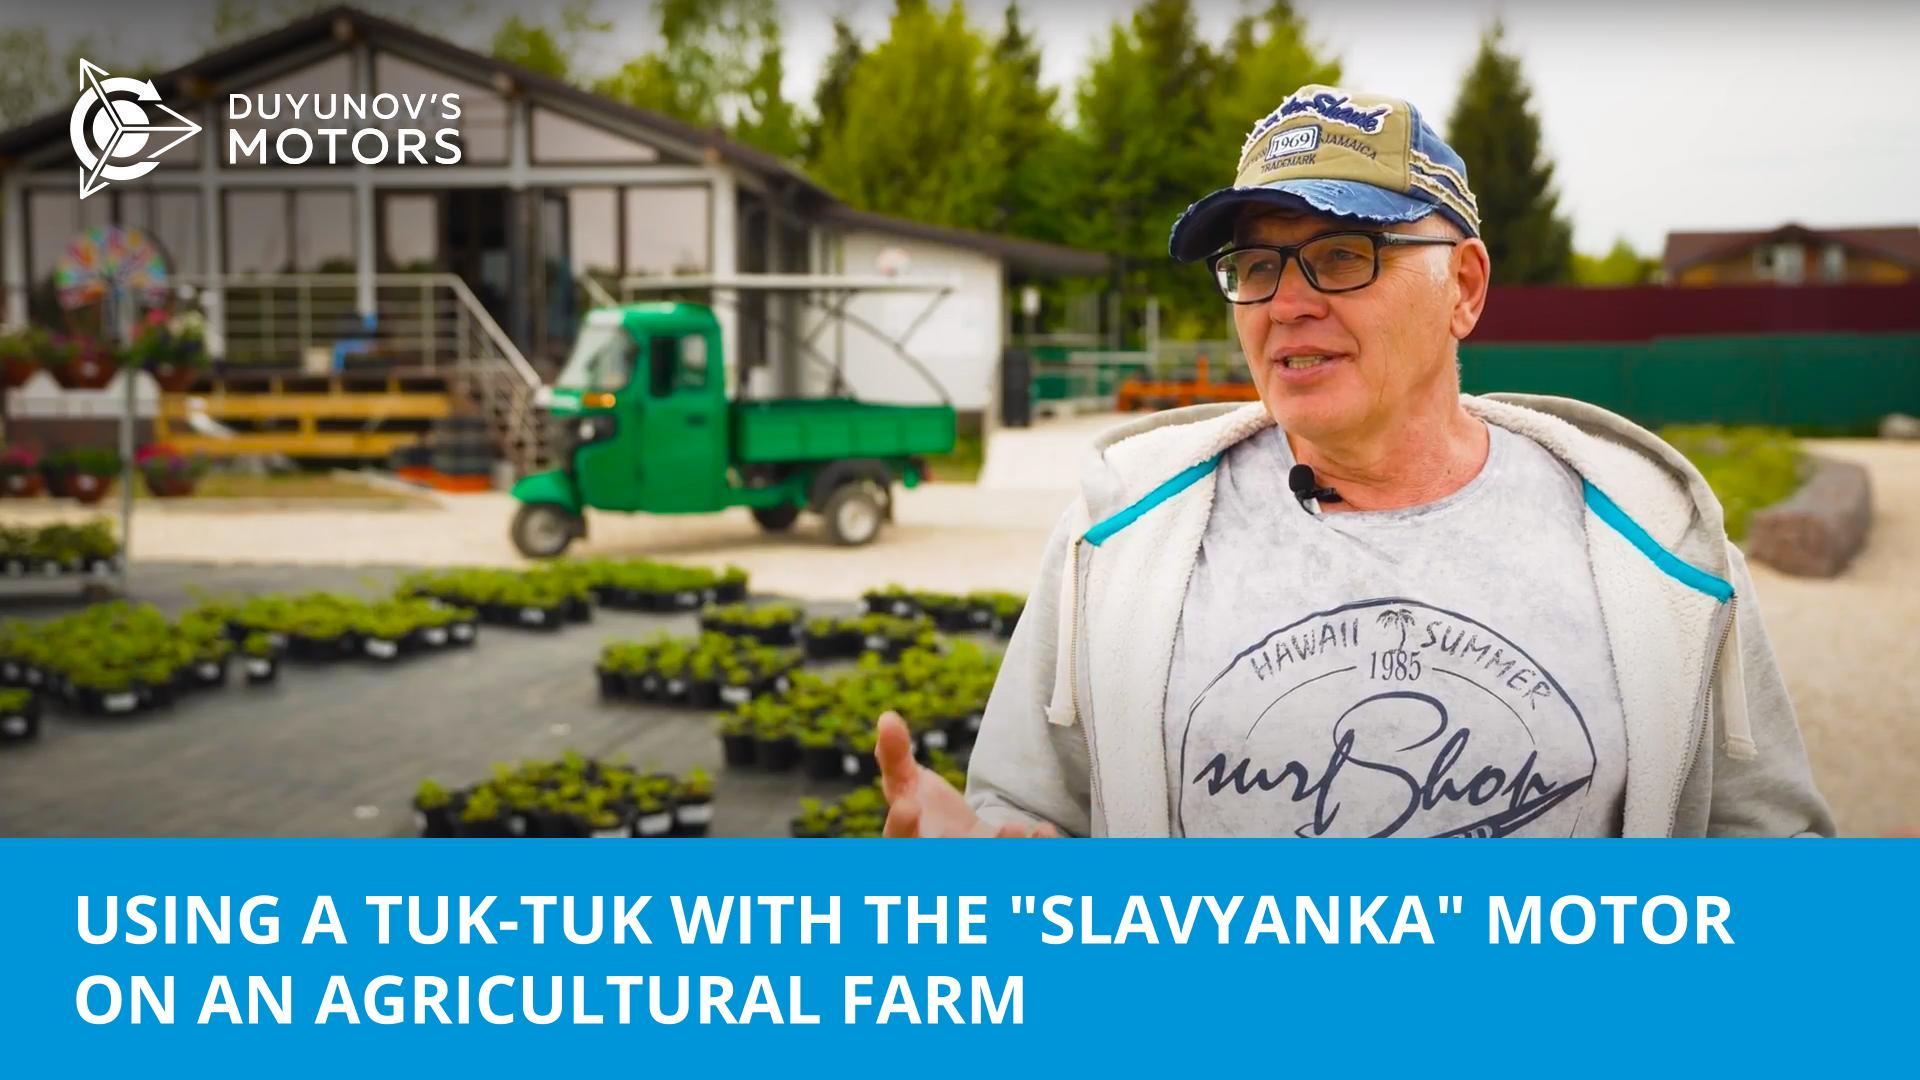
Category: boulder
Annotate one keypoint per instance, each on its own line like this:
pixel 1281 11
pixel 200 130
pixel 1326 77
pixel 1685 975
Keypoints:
pixel 1817 531
pixel 1900 426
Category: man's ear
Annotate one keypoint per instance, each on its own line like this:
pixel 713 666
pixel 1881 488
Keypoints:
pixel 1472 272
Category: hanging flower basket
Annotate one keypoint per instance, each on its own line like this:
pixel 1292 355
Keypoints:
pixel 82 365
pixel 20 354
pixel 20 473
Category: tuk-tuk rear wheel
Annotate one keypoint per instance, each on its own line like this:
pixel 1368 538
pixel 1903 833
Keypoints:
pixel 854 513
pixel 544 530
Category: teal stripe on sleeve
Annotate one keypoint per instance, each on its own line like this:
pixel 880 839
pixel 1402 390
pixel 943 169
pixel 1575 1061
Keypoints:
pixel 1103 529
pixel 1684 572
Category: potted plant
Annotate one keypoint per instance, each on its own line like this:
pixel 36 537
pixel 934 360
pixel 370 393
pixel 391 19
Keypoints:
pixel 816 820
pixel 774 747
pixel 22 350
pixel 19 716
pixel 79 363
pixel 262 658
pixel 433 809
pixel 93 471
pixel 171 349
pixel 20 472
pixel 653 809
pixel 168 473
pixel 736 739
pixel 482 815
pixel 891 600
pixel 103 689
pixel 819 751
pixel 856 755
pixel 693 804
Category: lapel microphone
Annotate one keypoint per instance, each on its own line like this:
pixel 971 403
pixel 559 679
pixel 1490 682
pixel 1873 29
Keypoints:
pixel 1306 487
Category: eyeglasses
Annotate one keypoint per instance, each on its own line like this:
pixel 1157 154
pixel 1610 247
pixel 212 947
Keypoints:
pixel 1332 263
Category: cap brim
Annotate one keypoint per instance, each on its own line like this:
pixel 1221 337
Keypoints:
pixel 1208 224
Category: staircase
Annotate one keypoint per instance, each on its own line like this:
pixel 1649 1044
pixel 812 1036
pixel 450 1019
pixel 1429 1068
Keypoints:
pixel 426 323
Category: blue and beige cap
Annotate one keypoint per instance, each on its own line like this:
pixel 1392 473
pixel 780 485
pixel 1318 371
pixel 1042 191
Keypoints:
pixel 1341 153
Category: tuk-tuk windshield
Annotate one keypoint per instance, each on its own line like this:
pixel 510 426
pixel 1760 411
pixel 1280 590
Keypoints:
pixel 602 359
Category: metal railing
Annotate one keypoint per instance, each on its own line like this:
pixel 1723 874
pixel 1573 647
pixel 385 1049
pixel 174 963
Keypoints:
pixel 427 321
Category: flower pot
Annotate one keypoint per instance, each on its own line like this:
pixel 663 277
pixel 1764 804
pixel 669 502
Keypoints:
pixel 380 648
pixel 422 638
pixel 83 371
pixel 108 702
pixel 644 686
pixel 858 764
pixel 169 485
pixel 89 489
pixel 802 831
pixel 578 609
pixel 24 484
pixel 22 723
pixel 554 825
pixel 691 817
pixel 731 592
pixel 654 823
pixel 463 632
pixel 739 751
pixel 538 618
pixel 821 762
pixel 261 670
pixel 59 480
pixel 876 604
pixel 674 689
pixel 15 566
pixel 613 684
pixel 776 755
pixel 494 828
pixel 702 694
pixel 172 377
pixel 733 694
pixel 436 823
pixel 209 672
pixel 16 370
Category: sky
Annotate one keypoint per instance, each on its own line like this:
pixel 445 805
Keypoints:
pixel 1675 115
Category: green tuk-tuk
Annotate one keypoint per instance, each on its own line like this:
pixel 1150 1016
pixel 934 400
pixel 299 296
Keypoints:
pixel 645 424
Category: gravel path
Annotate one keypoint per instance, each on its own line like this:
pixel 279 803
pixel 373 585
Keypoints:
pixel 1850 647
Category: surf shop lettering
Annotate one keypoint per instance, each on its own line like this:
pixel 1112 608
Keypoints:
pixel 1523 794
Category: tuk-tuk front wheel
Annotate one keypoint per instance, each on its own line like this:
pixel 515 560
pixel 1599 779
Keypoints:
pixel 544 530
pixel 854 513
pixel 775 519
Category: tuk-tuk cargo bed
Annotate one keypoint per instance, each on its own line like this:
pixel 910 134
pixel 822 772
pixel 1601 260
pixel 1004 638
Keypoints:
pixel 828 429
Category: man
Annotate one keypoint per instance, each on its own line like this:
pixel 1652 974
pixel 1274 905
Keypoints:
pixel 1369 605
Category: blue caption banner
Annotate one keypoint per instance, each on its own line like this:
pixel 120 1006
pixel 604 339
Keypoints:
pixel 957 958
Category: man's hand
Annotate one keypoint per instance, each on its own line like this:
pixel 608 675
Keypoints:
pixel 919 802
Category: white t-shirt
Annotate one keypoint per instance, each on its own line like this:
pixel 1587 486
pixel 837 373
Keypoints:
pixel 1439 670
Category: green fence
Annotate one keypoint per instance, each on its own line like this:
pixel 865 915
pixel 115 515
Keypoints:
pixel 1816 381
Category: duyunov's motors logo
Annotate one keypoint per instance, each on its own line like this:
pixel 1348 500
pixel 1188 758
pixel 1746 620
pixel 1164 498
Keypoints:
pixel 120 127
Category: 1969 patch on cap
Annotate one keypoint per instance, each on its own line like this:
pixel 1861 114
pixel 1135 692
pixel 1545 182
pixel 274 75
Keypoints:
pixel 1338 152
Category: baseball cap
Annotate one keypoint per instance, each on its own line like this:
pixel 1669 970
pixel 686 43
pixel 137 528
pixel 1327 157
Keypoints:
pixel 1338 152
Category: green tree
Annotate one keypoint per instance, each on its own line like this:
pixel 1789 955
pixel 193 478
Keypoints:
pixel 28 83
pixel 1137 163
pixel 1267 58
pixel 1021 120
pixel 830 93
pixel 1621 265
pixel 719 65
pixel 918 139
pixel 1494 129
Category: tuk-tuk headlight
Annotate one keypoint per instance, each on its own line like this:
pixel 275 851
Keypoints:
pixel 592 429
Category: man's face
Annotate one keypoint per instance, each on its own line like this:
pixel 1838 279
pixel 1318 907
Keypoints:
pixel 1387 345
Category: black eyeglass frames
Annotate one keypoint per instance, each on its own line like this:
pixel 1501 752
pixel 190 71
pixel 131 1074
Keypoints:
pixel 1334 262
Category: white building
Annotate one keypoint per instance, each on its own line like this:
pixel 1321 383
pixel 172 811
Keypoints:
pixel 555 186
